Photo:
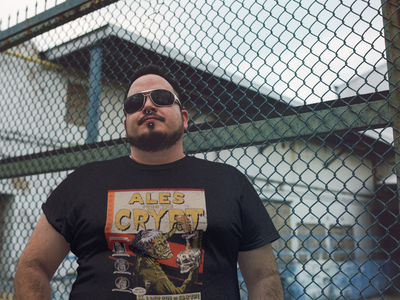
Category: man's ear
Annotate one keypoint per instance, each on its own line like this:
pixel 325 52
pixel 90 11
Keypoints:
pixel 125 127
pixel 185 117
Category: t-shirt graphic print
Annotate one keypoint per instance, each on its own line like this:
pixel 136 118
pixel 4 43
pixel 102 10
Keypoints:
pixel 156 240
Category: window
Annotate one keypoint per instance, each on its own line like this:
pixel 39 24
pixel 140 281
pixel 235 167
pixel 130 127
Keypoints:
pixel 342 242
pixel 77 103
pixel 313 243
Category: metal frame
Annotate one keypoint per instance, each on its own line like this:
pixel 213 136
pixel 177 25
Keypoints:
pixel 49 19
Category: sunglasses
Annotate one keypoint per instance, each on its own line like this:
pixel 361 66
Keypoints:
pixel 159 97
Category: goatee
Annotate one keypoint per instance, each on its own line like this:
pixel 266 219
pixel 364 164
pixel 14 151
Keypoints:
pixel 155 141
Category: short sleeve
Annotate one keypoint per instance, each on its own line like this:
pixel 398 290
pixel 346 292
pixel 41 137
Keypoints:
pixel 58 208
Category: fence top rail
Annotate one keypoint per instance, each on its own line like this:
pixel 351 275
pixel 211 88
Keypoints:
pixel 297 124
pixel 47 20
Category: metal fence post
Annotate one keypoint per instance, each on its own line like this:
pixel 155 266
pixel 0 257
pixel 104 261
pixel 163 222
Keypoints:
pixel 94 93
pixel 391 19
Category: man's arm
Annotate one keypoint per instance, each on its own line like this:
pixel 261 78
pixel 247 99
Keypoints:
pixel 261 274
pixel 43 254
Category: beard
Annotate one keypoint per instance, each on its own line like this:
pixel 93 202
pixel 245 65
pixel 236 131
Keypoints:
pixel 155 141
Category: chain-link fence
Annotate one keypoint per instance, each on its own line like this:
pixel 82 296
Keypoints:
pixel 301 96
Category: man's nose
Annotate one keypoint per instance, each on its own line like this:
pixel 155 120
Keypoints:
pixel 148 104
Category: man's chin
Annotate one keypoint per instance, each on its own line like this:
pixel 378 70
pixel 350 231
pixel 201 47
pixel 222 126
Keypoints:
pixel 154 141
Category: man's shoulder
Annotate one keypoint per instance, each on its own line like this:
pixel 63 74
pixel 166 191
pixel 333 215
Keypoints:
pixel 104 165
pixel 213 165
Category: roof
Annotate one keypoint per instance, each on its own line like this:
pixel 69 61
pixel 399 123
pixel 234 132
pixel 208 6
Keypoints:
pixel 204 83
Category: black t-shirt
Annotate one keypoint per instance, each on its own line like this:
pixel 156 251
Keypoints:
pixel 173 229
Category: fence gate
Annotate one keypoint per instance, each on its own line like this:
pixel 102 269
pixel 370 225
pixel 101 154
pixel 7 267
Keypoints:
pixel 301 96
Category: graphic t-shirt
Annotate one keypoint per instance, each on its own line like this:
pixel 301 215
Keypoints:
pixel 163 232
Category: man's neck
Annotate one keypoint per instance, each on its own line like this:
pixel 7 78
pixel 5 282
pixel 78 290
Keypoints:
pixel 157 158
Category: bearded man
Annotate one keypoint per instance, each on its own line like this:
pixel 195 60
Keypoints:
pixel 110 202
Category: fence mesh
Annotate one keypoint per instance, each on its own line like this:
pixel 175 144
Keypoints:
pixel 300 96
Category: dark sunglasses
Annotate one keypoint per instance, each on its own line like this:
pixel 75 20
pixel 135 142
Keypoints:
pixel 159 97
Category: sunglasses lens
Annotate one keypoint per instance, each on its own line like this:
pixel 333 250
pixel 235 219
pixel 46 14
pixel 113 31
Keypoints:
pixel 134 103
pixel 162 97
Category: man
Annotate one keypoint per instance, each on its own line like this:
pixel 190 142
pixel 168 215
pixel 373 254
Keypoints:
pixel 99 209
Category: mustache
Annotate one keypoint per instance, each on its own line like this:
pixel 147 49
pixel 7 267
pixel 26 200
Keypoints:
pixel 154 116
